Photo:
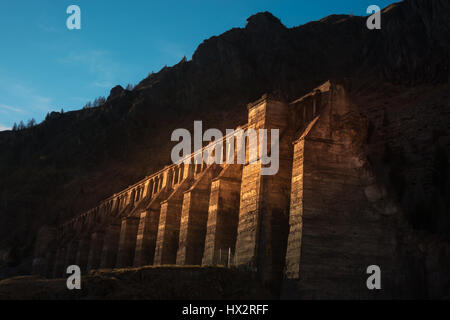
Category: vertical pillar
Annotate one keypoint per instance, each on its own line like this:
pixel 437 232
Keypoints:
pixel 168 232
pixel 168 178
pixel 223 216
pixel 175 176
pixel 132 196
pixel 181 176
pixel 194 217
pixel 127 242
pixel 150 189
pixel 264 200
pixel 58 269
pixel 155 186
pixel 95 251
pixel 141 191
pixel 146 237
pixel 71 254
pixel 83 253
pixel 296 212
pixel 160 181
pixel 116 205
pixel 188 169
pixel 110 247
pixel 126 200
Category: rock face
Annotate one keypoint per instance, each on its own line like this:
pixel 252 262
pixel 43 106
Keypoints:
pixel 116 92
pixel 400 74
pixel 424 31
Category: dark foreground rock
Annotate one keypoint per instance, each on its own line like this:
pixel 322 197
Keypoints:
pixel 153 283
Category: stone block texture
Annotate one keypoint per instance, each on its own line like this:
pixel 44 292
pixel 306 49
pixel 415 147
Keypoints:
pixel 309 230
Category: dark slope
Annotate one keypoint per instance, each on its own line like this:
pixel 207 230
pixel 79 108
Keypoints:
pixel 145 283
pixel 73 160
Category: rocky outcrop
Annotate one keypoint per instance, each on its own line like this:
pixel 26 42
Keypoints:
pixel 116 92
pixel 412 46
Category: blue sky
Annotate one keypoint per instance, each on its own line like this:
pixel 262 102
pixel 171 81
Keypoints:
pixel 45 67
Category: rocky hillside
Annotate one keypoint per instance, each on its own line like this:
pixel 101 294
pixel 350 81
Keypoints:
pixel 162 283
pixel 400 76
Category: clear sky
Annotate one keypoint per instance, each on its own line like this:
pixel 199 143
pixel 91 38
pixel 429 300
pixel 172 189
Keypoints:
pixel 45 67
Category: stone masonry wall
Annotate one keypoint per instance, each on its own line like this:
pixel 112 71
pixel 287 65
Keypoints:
pixel 223 216
pixel 339 221
pixel 310 230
